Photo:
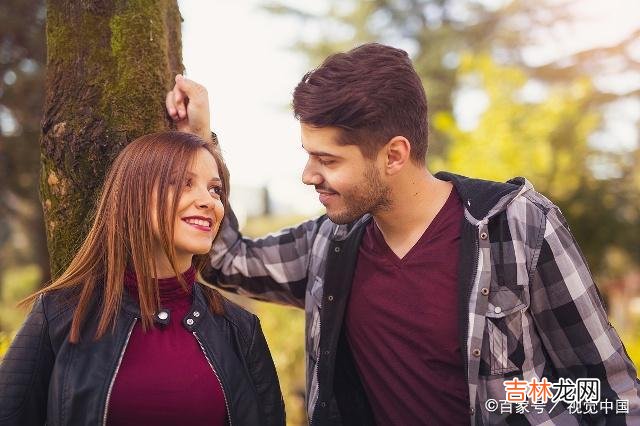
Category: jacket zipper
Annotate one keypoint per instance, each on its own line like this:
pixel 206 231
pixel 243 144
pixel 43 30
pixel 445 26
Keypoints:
pixel 113 378
pixel 224 394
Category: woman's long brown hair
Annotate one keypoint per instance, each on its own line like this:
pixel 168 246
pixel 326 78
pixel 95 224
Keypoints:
pixel 122 233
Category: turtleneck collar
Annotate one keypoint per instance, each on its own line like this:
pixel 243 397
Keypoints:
pixel 170 289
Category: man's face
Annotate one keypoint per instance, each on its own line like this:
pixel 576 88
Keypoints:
pixel 349 185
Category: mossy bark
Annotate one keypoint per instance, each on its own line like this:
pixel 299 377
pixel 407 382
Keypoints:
pixel 109 65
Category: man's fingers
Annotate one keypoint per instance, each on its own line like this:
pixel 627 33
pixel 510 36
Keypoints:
pixel 171 106
pixel 193 90
pixel 180 102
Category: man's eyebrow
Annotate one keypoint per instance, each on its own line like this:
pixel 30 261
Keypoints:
pixel 321 153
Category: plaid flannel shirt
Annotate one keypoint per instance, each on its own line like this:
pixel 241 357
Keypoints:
pixel 533 308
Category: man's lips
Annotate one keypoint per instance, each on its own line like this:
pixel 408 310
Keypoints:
pixel 325 196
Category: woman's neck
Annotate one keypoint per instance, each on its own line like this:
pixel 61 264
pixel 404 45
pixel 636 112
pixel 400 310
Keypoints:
pixel 164 269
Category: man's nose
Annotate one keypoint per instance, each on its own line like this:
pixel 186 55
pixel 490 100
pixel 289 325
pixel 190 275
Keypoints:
pixel 311 176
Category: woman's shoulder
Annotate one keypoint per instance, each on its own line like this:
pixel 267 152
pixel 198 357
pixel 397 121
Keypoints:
pixel 237 315
pixel 59 302
pixel 238 312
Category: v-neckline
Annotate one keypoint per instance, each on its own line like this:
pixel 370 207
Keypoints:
pixel 426 235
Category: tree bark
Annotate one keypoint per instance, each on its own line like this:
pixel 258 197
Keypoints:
pixel 109 65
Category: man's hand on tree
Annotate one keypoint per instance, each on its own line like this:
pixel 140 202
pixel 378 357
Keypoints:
pixel 188 105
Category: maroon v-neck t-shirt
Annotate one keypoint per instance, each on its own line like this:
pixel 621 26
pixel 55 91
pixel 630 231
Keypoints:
pixel 402 325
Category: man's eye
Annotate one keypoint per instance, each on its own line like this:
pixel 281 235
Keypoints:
pixel 326 162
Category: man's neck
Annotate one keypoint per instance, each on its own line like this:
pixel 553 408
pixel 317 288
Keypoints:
pixel 417 198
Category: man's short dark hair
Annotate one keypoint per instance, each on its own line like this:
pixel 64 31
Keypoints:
pixel 372 93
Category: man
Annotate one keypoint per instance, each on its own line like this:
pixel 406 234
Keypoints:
pixel 423 294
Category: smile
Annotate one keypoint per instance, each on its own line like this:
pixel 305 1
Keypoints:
pixel 324 197
pixel 198 222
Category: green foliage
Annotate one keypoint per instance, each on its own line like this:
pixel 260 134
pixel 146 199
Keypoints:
pixel 5 342
pixel 632 345
pixel 521 138
pixel 17 284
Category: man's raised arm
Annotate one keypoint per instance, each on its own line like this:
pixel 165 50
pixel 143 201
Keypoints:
pixel 273 268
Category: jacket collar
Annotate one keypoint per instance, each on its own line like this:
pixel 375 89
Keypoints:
pixel 483 198
pixel 131 307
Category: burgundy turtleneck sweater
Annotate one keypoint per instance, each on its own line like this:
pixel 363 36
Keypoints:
pixel 164 377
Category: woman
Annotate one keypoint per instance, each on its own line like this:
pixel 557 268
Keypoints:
pixel 125 335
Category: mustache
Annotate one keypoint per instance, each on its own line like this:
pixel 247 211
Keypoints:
pixel 324 188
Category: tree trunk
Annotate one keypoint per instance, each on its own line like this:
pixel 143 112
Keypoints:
pixel 109 65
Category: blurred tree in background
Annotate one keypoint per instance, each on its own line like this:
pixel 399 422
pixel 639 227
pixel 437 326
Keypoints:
pixel 22 69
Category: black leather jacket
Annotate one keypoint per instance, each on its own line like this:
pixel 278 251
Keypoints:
pixel 46 379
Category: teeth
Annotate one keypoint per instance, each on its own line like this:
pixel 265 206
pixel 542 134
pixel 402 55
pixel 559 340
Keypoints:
pixel 199 222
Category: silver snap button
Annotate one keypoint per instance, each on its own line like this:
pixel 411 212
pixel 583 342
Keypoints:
pixel 476 352
pixel 190 321
pixel 330 298
pixel 484 291
pixel 497 309
pixel 163 315
pixel 196 314
pixel 323 404
pixel 337 249
pixel 472 411
pixel 483 236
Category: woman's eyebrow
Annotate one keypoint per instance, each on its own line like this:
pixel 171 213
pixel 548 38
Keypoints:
pixel 213 179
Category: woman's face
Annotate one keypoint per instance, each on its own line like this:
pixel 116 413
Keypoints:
pixel 200 211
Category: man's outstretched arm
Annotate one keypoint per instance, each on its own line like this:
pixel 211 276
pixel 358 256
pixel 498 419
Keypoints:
pixel 273 268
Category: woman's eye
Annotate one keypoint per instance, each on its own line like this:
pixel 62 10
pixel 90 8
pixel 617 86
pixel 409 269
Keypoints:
pixel 188 183
pixel 215 191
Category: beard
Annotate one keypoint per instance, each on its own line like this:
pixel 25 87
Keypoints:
pixel 371 195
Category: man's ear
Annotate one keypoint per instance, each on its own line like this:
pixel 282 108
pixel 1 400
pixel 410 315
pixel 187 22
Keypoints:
pixel 397 154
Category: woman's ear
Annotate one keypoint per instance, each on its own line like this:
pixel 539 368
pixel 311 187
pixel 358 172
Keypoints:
pixel 397 153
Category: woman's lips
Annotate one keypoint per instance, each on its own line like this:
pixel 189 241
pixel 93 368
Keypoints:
pixel 199 227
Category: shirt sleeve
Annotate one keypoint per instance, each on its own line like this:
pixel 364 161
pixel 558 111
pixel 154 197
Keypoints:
pixel 273 268
pixel 570 317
